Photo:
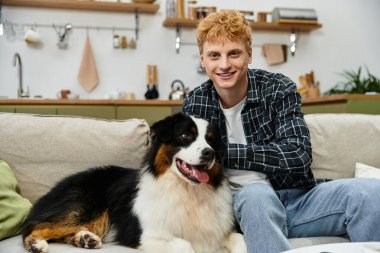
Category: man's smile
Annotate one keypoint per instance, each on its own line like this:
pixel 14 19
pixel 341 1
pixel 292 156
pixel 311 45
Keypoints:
pixel 226 75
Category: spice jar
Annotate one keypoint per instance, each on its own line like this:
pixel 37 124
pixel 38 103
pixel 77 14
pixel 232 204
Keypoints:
pixel 191 9
pixel 170 8
pixel 124 42
pixel 116 41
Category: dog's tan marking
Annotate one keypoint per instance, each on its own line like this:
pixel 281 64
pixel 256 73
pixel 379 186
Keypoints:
pixel 100 225
pixel 162 159
pixel 213 172
pixel 65 230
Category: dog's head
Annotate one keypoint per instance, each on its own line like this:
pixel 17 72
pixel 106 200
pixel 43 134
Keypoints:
pixel 190 147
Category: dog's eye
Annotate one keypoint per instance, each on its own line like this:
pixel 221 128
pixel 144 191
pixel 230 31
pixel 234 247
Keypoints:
pixel 186 136
pixel 210 137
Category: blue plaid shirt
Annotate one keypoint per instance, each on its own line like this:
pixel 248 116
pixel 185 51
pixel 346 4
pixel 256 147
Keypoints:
pixel 278 142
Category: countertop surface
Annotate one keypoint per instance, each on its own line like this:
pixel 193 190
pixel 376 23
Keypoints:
pixel 338 98
pixel 158 102
pixel 49 101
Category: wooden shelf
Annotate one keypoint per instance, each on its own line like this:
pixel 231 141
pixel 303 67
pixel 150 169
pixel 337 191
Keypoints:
pixel 275 26
pixel 87 5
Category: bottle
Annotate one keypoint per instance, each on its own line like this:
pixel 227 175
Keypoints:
pixel 151 79
pixel 180 8
pixel 170 8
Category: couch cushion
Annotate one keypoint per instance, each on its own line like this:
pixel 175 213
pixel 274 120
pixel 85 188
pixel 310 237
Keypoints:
pixel 365 171
pixel 13 207
pixel 44 149
pixel 14 245
pixel 341 140
pixel 310 241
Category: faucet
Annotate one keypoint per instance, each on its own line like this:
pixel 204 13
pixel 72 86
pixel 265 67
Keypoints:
pixel 20 92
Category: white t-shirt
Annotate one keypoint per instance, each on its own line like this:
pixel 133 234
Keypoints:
pixel 235 134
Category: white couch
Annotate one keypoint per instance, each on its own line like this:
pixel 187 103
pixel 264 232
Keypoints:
pixel 43 149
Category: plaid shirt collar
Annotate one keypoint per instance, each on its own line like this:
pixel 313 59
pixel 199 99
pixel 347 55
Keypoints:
pixel 252 94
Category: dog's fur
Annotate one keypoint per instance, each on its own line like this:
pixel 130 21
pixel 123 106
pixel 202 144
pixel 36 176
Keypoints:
pixel 179 201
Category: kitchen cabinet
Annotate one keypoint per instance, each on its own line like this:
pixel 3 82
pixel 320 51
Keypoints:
pixel 150 110
pixel 347 103
pixel 7 108
pixel 94 111
pixel 289 26
pixel 45 110
pixel 150 113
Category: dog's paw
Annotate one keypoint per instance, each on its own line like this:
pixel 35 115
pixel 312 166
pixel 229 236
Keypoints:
pixel 38 246
pixel 88 240
pixel 235 243
pixel 177 245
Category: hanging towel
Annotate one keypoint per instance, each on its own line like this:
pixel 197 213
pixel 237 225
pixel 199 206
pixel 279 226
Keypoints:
pixel 274 53
pixel 88 74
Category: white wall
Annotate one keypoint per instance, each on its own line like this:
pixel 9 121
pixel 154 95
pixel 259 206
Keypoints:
pixel 348 39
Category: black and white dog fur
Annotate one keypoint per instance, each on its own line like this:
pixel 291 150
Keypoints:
pixel 178 202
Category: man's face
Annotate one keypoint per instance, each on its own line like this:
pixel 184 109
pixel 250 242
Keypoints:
pixel 226 63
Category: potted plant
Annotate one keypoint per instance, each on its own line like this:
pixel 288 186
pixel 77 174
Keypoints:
pixel 356 84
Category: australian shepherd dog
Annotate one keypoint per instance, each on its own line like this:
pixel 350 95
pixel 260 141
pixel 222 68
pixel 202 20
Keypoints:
pixel 178 202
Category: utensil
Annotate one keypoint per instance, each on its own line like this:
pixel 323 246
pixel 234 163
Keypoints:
pixel 63 35
pixel 178 90
pixel 32 37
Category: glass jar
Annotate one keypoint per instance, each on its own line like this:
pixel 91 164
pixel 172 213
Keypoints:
pixel 191 9
pixel 170 8
pixel 116 40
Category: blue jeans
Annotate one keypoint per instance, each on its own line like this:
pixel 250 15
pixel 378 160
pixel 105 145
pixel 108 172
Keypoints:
pixel 336 208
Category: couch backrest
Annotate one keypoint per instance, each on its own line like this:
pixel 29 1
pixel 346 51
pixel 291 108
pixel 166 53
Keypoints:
pixel 43 149
pixel 341 140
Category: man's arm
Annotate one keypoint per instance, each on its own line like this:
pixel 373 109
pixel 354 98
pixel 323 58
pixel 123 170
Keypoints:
pixel 289 151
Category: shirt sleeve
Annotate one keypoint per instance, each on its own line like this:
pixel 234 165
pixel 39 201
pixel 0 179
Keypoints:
pixel 289 152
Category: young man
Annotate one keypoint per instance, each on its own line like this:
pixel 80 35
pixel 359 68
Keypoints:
pixel 269 150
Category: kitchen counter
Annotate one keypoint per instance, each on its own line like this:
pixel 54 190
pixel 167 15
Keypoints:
pixel 339 98
pixel 159 102
pixel 48 101
pixel 153 110
pixel 345 103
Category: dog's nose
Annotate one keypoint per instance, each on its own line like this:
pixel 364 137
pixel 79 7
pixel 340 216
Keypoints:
pixel 208 154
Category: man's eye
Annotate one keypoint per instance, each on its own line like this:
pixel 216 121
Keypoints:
pixel 235 54
pixel 214 56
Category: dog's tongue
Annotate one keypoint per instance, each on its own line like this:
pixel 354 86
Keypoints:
pixel 201 176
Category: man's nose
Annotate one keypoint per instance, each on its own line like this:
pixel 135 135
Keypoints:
pixel 224 62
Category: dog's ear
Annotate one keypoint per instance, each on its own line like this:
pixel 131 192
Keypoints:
pixel 164 129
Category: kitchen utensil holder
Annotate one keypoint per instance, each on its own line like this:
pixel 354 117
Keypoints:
pixel 136 28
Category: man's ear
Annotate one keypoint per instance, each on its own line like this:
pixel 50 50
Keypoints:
pixel 250 56
pixel 201 59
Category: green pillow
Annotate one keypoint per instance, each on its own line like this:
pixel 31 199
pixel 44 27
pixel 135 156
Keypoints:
pixel 13 207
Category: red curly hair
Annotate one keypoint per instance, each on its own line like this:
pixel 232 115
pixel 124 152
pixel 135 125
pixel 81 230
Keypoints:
pixel 224 24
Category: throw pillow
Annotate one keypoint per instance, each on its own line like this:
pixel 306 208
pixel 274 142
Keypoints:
pixel 13 207
pixel 366 171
